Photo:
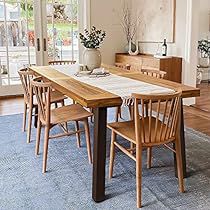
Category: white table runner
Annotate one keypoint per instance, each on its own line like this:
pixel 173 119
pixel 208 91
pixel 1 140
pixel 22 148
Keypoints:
pixel 115 84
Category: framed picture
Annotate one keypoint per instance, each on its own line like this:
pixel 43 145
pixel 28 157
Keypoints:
pixel 157 20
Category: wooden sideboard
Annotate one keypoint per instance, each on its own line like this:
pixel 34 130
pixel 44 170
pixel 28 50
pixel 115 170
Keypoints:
pixel 171 65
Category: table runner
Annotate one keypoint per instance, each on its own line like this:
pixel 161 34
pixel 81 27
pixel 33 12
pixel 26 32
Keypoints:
pixel 115 84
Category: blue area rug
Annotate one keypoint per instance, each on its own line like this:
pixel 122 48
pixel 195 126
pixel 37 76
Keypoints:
pixel 68 181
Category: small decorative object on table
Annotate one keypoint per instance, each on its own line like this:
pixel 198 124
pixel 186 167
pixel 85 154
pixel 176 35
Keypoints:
pixel 100 72
pixel 130 49
pixel 97 72
pixel 164 48
pixel 92 41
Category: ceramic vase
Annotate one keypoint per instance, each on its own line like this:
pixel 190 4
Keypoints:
pixel 92 58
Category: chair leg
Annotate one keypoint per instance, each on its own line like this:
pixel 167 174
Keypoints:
pixel 24 117
pixel 46 141
pixel 131 147
pixel 39 126
pixel 147 110
pixel 62 103
pixel 179 165
pixel 138 174
pixel 131 111
pixel 29 124
pixel 149 157
pixel 65 124
pixel 118 114
pixel 91 118
pixel 87 135
pixel 77 134
pixel 112 154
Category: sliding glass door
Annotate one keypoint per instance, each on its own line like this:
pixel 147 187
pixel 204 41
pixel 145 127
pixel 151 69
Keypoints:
pixel 33 32
pixel 62 29
pixel 57 31
pixel 17 47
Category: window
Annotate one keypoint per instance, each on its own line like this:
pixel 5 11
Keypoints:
pixel 1 11
pixel 13 15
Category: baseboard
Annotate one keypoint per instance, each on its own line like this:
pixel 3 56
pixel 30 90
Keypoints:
pixel 11 96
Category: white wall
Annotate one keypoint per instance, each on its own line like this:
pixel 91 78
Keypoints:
pixel 186 37
pixel 104 14
pixel 176 48
pixel 204 19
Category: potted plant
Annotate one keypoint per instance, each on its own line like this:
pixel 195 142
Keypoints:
pixel 92 40
pixel 204 49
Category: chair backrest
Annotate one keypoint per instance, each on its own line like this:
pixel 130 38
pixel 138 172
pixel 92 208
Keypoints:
pixel 64 62
pixel 136 66
pixel 123 66
pixel 154 72
pixel 159 117
pixel 26 76
pixel 42 90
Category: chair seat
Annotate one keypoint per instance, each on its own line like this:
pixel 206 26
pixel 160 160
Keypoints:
pixel 126 129
pixel 74 112
pixel 55 96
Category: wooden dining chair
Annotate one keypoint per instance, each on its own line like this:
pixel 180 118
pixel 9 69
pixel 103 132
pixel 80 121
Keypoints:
pixel 123 66
pixel 154 72
pixel 62 62
pixel 68 62
pixel 152 130
pixel 49 118
pixel 145 70
pixel 30 103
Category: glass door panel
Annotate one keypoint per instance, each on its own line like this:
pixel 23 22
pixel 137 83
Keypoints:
pixel 17 49
pixel 62 29
pixel 35 32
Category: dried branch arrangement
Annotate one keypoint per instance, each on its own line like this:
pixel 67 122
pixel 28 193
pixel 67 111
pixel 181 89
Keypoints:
pixel 129 22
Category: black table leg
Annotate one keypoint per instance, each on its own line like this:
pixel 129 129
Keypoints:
pixel 182 137
pixel 99 154
pixel 35 116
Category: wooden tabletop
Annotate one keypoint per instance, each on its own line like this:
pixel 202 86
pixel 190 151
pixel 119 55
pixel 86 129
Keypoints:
pixel 90 96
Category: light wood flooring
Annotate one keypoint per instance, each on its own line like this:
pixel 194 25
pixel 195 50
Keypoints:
pixel 196 116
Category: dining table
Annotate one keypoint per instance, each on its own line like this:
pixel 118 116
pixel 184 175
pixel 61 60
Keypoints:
pixel 99 99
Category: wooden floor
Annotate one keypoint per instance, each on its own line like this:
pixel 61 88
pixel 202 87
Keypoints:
pixel 196 117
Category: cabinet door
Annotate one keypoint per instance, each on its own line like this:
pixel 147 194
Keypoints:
pixel 173 67
pixel 150 62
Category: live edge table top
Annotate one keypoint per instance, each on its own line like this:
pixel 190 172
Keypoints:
pixel 90 96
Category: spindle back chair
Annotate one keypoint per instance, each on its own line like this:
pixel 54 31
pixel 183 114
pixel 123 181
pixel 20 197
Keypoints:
pixel 26 76
pixel 154 73
pixel 153 127
pixel 62 62
pixel 49 118
pixel 123 66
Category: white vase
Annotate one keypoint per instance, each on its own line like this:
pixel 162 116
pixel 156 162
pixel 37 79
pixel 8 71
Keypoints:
pixel 92 58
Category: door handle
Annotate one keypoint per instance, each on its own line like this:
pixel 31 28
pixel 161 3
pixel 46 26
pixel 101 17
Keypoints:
pixel 45 45
pixel 38 44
